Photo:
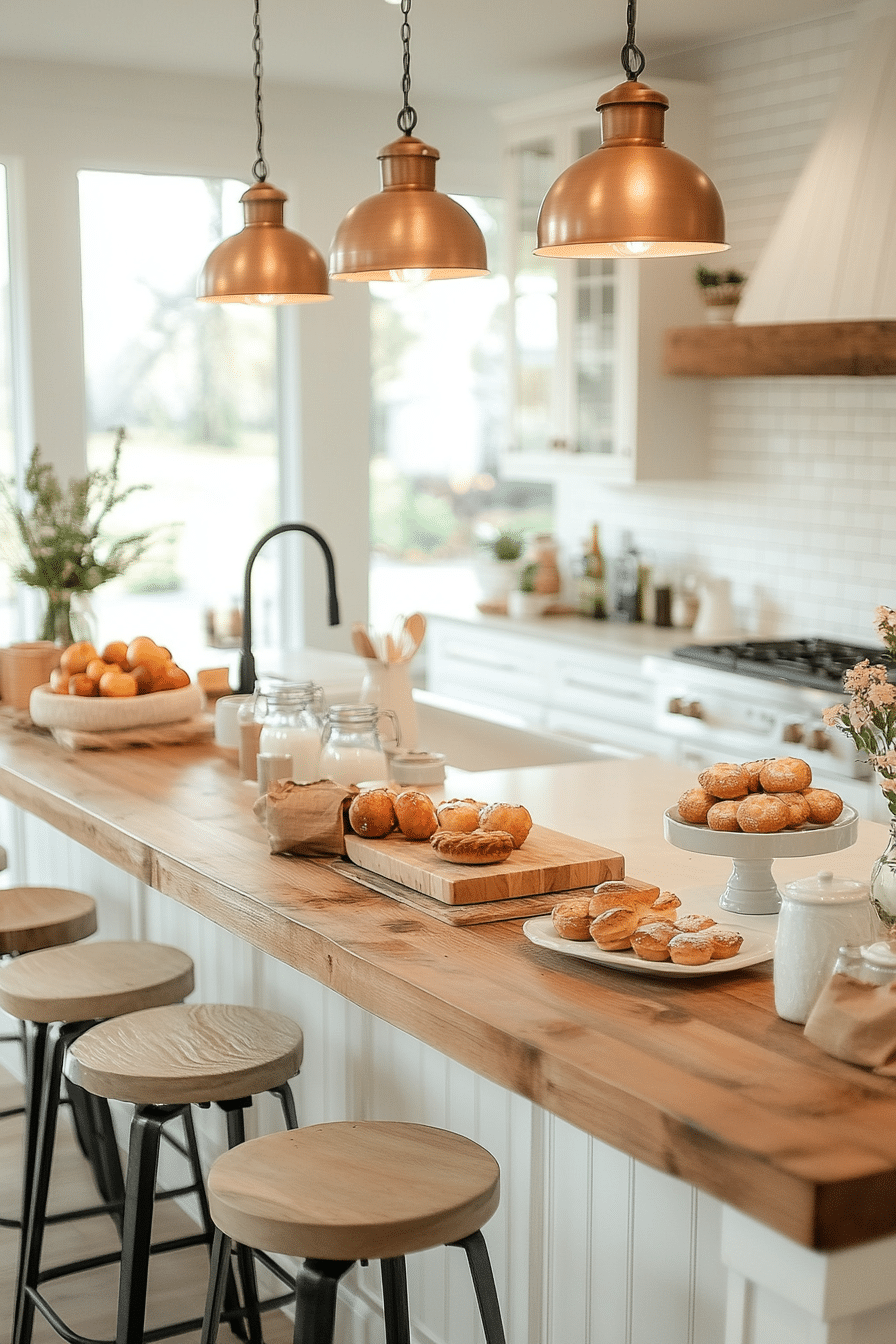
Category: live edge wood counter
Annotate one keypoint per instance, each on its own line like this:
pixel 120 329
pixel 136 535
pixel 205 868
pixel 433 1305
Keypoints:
pixel 700 1079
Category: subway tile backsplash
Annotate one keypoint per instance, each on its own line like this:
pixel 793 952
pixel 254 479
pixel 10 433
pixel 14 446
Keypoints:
pixel 799 505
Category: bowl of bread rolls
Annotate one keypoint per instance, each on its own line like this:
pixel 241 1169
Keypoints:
pixel 635 926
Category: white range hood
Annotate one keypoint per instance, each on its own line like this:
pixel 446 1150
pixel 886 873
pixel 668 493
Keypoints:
pixel 832 257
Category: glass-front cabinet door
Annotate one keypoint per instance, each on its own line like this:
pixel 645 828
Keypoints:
pixel 587 393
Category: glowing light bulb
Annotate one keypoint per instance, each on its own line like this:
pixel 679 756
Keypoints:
pixel 410 276
pixel 636 249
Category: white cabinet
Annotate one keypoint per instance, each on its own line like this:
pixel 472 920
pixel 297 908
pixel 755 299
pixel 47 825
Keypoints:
pixel 596 696
pixel 588 396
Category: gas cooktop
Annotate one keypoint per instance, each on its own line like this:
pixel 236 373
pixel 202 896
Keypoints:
pixel 819 663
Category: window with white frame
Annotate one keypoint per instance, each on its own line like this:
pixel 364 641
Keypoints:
pixel 194 386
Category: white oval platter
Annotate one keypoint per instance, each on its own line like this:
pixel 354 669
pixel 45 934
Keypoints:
pixel 757 946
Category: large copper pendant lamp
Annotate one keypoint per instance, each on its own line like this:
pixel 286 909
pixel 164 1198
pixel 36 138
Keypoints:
pixel 409 232
pixel 632 197
pixel 265 262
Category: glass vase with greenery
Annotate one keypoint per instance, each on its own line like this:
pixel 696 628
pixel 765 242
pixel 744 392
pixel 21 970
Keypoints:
pixel 61 542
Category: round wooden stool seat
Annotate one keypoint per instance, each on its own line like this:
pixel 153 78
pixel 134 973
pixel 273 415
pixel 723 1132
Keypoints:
pixel 187 1053
pixel 366 1190
pixel 84 981
pixel 38 917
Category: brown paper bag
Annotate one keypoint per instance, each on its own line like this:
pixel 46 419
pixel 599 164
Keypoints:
pixel 855 1021
pixel 305 818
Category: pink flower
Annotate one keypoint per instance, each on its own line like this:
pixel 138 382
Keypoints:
pixel 833 715
pixel 859 715
pixel 858 677
pixel 882 695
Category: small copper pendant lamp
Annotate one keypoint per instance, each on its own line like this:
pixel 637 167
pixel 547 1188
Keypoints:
pixel 265 262
pixel 632 197
pixel 409 231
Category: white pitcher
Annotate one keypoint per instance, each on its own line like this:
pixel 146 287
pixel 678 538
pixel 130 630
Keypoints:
pixel 388 685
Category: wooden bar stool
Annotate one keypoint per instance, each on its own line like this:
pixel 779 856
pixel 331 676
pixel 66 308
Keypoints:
pixel 32 918
pixel 163 1060
pixel 58 993
pixel 337 1193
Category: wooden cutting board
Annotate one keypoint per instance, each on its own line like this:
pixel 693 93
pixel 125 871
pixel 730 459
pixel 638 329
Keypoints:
pixel 549 861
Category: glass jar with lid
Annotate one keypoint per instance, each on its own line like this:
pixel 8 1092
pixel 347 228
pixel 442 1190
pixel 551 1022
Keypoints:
pixel 351 751
pixel 291 725
pixel 870 963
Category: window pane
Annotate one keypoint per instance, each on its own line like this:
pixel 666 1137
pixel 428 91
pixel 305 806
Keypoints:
pixel 193 384
pixel 439 425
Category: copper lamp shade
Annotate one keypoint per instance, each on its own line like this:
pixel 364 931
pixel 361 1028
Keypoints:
pixel 632 197
pixel 409 231
pixel 265 262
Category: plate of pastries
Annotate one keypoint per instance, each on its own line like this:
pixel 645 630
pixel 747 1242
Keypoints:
pixel 460 830
pixel 637 927
pixel 758 798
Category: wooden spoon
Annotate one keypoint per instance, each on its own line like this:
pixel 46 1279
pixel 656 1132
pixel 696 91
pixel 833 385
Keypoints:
pixel 361 642
pixel 415 627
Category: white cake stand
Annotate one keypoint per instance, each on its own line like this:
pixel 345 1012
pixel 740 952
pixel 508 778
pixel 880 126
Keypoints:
pixel 751 889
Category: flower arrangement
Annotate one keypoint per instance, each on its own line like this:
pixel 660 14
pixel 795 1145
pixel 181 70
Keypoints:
pixel 62 535
pixel 870 717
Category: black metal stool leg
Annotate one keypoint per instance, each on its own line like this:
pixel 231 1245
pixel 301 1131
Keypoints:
pixel 395 1300
pixel 316 1284
pixel 42 1108
pixel 143 1161
pixel 236 1134
pixel 218 1275
pixel 484 1284
pixel 35 1063
pixel 96 1136
pixel 287 1105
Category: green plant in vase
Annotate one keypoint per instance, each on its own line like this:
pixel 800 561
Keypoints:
pixel 62 545
pixel 869 719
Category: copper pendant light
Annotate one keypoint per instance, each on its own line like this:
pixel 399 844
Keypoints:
pixel 265 262
pixel 632 197
pixel 410 231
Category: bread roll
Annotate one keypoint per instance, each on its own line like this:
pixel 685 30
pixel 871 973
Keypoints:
pixel 621 893
pixel 694 804
pixel 510 817
pixel 825 806
pixel 762 813
pixel 460 814
pixel 724 780
pixel 372 814
pixel 752 769
pixel 722 816
pixel 693 923
pixel 691 949
pixel 725 942
pixel 416 814
pixel 572 920
pixel 651 942
pixel 797 807
pixel 473 847
pixel 612 929
pixel 787 774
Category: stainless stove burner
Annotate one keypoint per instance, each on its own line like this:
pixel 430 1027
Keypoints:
pixel 819 663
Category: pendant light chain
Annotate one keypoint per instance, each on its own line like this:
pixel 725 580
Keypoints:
pixel 407 117
pixel 259 167
pixel 632 56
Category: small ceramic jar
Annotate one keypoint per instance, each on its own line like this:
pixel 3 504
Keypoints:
pixel 818 916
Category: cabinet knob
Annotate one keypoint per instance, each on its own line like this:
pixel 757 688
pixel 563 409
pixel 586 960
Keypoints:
pixel 792 732
pixel 675 705
pixel 818 740
pixel 694 710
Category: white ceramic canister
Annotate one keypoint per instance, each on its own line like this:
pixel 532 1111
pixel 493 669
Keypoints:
pixel 388 685
pixel 818 915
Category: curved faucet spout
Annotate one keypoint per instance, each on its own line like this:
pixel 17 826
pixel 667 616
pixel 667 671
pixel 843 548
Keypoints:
pixel 247 661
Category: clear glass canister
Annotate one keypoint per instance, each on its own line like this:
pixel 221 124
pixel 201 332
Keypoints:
pixel 351 751
pixel 248 722
pixel 291 727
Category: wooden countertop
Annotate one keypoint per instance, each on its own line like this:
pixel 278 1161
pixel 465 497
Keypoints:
pixel 698 1078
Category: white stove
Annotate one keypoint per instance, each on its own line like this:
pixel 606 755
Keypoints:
pixel 751 699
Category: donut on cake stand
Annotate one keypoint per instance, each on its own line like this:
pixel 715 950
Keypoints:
pixel 751 888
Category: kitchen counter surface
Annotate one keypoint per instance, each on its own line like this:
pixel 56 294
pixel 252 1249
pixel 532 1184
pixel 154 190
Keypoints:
pixel 699 1078
pixel 619 637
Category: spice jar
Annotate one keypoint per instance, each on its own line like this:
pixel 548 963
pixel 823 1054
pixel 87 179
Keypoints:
pixel 818 915
pixel 291 727
pixel 351 751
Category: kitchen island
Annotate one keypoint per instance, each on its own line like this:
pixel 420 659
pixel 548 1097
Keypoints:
pixel 678 1163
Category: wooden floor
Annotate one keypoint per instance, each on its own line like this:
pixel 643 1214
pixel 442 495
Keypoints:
pixel 87 1301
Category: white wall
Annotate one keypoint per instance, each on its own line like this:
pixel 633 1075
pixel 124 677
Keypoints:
pixel 321 148
pixel 801 490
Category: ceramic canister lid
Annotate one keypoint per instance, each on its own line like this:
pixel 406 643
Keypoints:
pixel 880 954
pixel 826 889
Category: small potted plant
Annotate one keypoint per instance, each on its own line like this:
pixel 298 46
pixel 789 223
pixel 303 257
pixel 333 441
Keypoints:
pixel 497 569
pixel 524 600
pixel 721 292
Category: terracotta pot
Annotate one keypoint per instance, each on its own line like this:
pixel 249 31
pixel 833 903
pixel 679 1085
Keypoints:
pixel 24 666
